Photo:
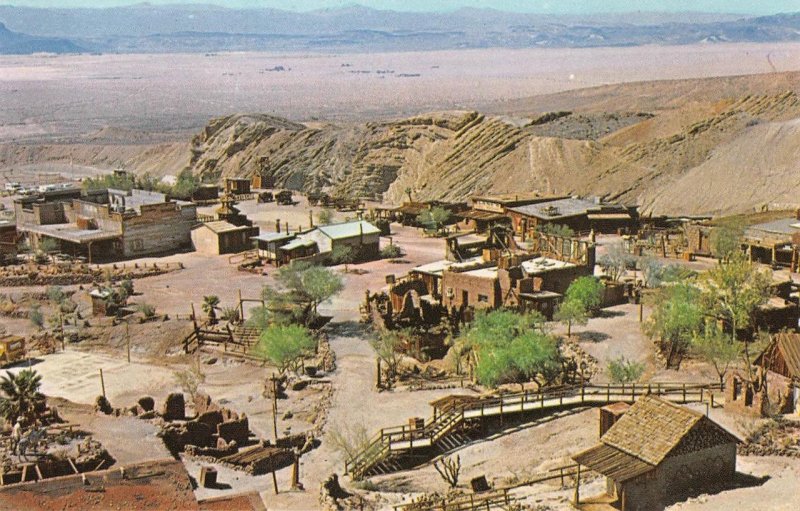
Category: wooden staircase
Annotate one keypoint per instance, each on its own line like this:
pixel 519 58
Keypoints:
pixel 450 430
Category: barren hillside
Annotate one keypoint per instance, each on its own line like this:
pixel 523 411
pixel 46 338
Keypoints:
pixel 733 146
pixel 692 146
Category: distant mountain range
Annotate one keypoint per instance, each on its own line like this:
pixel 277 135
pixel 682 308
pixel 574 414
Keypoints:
pixel 162 29
pixel 13 43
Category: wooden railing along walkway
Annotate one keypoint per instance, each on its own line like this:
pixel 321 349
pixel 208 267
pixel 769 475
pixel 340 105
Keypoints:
pixel 405 439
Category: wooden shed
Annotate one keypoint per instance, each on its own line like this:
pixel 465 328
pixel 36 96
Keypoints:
pixel 656 454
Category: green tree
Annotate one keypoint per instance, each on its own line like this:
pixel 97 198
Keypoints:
pixel 185 185
pixel 622 370
pixel 302 288
pixel 726 238
pixel 716 348
pixel 343 254
pixel 586 291
pixel 210 306
pixel 260 318
pixel 284 346
pixel 733 290
pixel 123 181
pixel 324 216
pixel 310 284
pixel 571 312
pixel 512 347
pixel 557 229
pixel 388 346
pixel 434 219
pixel 19 394
pixel 677 317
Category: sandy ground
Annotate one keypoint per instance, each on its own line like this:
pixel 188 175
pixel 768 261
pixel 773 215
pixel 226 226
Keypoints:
pixel 77 94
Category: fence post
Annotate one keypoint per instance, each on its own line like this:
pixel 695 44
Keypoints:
pixel 608 392
pixel 684 392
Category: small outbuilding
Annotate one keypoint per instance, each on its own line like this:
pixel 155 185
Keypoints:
pixel 655 454
pixel 781 361
pixel 237 185
pixel 221 237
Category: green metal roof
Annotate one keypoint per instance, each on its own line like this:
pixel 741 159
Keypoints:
pixel 348 229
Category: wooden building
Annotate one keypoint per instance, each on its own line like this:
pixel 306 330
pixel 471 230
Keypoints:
pixel 205 193
pixel 108 224
pixel 656 454
pixel 488 210
pixel 577 214
pixel 221 237
pixel 698 238
pixel 782 358
pixel 237 185
pixel 8 241
pixel 774 243
pixel 232 232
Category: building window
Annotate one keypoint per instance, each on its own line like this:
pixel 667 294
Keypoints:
pixel 138 245
pixel 483 299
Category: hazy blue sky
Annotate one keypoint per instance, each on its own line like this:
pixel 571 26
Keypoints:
pixel 544 6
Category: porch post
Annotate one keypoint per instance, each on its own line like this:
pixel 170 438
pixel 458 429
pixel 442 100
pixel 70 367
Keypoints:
pixel 578 486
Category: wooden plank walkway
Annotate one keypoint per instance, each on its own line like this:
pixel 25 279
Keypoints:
pixel 404 439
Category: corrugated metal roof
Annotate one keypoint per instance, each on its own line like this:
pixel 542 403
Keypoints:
pixel 348 229
pixel 789 345
pixel 297 243
pixel 274 236
pixel 784 226
pixel 556 209
pixel 613 463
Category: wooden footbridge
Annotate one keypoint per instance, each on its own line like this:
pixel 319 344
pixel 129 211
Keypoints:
pixel 451 428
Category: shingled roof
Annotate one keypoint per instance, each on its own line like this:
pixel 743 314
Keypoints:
pixel 788 344
pixel 648 432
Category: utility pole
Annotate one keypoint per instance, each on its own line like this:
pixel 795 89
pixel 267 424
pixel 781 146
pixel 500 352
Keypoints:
pixel 275 412
pixel 102 383
pixel 61 320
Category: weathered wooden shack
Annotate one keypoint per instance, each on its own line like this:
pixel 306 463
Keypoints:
pixel 656 454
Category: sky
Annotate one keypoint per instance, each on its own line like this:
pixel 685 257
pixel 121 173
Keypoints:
pixel 761 7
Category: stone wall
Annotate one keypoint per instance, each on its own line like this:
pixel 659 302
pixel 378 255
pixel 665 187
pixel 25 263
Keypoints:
pixel 697 472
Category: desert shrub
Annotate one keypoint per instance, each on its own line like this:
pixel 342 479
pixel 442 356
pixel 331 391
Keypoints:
pixel 349 439
pixel 391 252
pixel 230 314
pixel 127 286
pixel 36 317
pixel 622 370
pixel 56 294
pixel 147 310
pixel 190 379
